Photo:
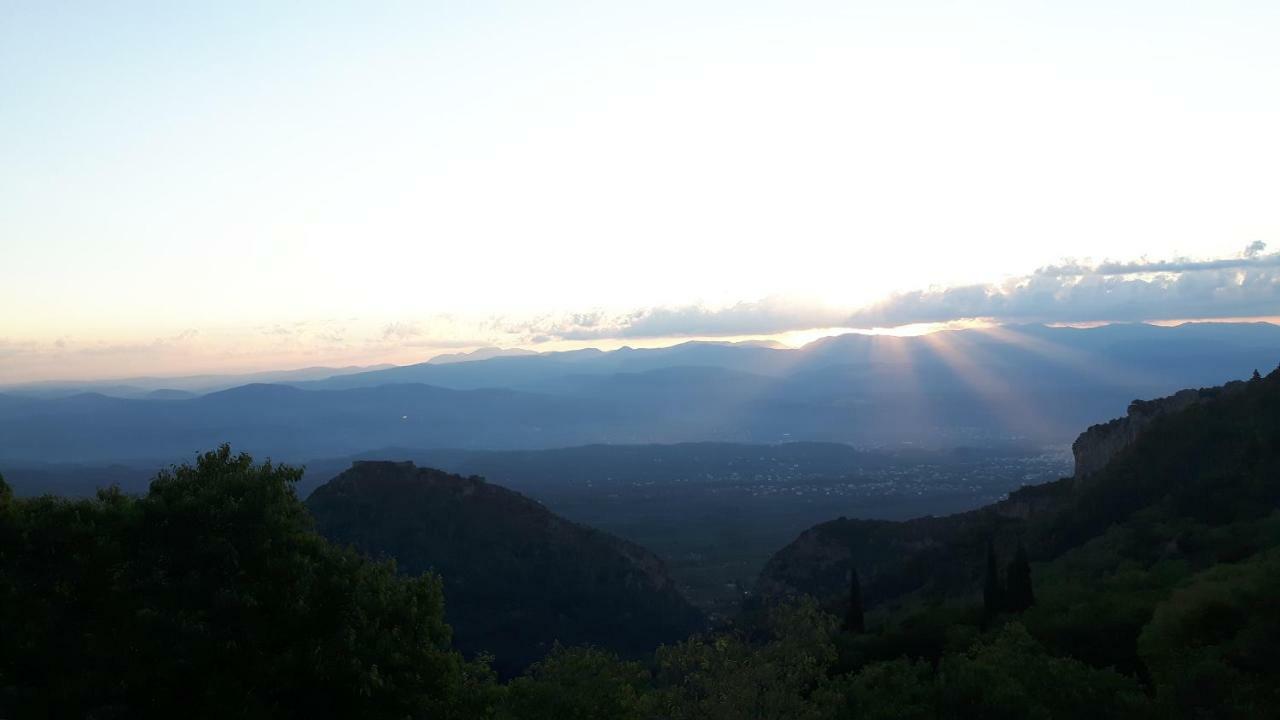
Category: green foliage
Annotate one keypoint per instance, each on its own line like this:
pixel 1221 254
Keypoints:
pixel 727 677
pixel 1011 676
pixel 577 684
pixel 899 689
pixel 1007 675
pixel 922 632
pixel 211 596
pixel 1213 646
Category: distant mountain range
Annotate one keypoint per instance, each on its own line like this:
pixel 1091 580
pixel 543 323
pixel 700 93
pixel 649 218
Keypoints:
pixel 1029 384
pixel 485 353
pixel 177 388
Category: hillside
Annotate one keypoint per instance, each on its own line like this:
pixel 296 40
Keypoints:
pixel 714 512
pixel 517 577
pixel 1193 490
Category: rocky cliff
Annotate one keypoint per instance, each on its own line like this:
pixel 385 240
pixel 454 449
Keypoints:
pixel 1095 447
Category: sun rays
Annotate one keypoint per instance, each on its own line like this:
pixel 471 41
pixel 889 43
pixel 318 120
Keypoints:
pixel 1095 366
pixel 972 365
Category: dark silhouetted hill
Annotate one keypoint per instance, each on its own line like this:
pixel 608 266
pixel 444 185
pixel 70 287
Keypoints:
pixel 517 577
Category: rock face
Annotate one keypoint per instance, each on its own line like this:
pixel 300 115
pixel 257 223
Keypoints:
pixel 517 577
pixel 1095 447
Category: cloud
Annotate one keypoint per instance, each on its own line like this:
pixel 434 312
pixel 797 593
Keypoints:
pixel 400 331
pixel 1246 286
pixel 1250 257
pixel 13 348
pixel 762 317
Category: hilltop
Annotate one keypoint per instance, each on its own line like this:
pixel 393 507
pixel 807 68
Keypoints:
pixel 518 578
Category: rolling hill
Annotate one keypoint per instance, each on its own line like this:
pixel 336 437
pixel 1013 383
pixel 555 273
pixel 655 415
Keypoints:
pixel 517 577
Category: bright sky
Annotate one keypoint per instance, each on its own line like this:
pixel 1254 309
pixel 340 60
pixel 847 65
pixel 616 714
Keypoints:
pixel 190 186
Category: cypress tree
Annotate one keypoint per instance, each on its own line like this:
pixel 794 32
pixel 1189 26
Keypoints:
pixel 1019 595
pixel 853 620
pixel 992 590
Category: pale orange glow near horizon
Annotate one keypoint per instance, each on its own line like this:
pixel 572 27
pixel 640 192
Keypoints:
pixel 193 355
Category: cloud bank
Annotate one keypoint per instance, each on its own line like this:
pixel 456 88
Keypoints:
pixel 1247 285
pixel 1244 286
pixel 763 317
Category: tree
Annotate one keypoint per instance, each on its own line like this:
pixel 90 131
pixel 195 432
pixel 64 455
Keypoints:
pixel 729 677
pixel 853 620
pixel 901 689
pixel 1018 595
pixel 1256 375
pixel 212 594
pixel 1211 644
pixel 1010 675
pixel 992 590
pixel 580 683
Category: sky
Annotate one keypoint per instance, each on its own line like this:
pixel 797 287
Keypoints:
pixel 190 187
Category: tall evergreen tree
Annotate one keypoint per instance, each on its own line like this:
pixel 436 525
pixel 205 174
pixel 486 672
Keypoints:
pixel 853 620
pixel 1018 593
pixel 992 589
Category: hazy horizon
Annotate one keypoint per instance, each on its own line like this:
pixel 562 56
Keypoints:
pixel 784 341
pixel 238 188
